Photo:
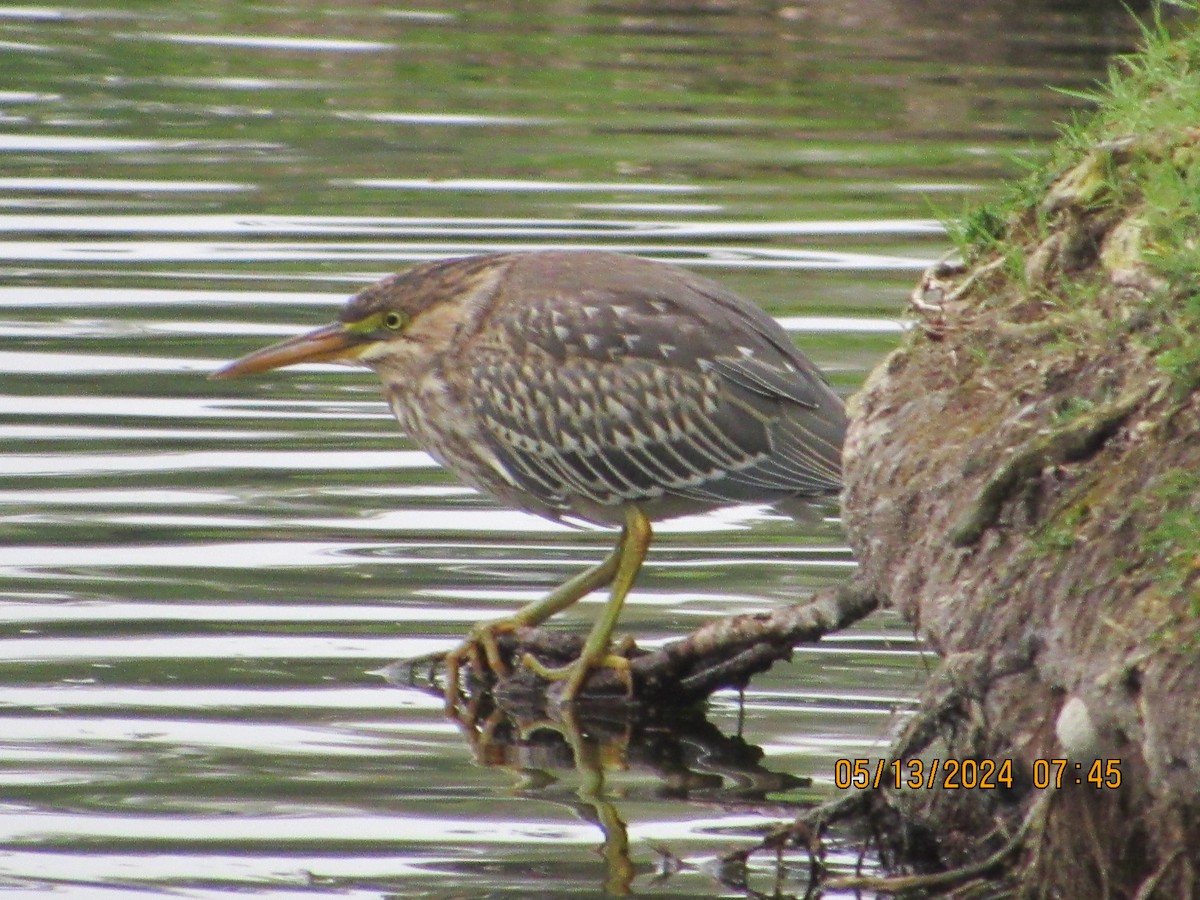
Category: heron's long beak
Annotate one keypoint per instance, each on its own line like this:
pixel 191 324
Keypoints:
pixel 330 342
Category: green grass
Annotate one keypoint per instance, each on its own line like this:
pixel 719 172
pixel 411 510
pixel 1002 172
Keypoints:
pixel 1153 95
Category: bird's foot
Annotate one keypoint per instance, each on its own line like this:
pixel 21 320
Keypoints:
pixel 481 651
pixel 576 673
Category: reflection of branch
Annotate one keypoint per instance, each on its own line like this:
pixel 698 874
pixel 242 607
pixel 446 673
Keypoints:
pixel 675 753
pixel 720 654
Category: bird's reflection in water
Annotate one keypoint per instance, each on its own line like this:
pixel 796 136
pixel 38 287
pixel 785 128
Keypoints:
pixel 688 756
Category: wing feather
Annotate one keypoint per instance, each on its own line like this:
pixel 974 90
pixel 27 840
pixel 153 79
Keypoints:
pixel 604 396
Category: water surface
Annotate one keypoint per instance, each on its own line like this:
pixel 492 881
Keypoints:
pixel 200 582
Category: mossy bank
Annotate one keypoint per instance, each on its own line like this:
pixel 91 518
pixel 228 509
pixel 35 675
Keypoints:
pixel 1023 483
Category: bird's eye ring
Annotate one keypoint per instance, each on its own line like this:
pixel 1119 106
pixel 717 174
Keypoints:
pixel 394 321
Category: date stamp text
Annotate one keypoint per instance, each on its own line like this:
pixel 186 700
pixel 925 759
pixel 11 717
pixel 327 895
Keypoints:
pixel 971 774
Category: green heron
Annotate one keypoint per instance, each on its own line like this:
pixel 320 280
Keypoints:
pixel 590 385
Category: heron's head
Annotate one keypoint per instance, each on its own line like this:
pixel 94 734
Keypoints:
pixel 407 316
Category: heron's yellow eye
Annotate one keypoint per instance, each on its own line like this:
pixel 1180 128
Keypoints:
pixel 394 321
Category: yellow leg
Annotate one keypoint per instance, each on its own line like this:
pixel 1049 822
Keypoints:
pixel 630 552
pixel 483 636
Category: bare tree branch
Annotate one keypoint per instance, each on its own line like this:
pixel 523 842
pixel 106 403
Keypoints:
pixel 720 654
